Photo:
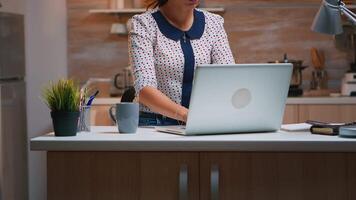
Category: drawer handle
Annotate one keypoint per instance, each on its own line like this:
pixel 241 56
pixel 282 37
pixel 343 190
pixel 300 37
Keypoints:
pixel 183 182
pixel 214 182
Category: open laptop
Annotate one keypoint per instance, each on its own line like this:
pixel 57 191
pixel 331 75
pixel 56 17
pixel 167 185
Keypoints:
pixel 236 98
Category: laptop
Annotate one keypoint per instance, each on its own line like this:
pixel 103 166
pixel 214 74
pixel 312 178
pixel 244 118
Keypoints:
pixel 236 98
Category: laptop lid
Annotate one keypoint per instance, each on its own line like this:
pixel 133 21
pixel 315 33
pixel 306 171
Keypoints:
pixel 238 98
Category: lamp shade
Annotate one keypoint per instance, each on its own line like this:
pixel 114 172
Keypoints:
pixel 328 19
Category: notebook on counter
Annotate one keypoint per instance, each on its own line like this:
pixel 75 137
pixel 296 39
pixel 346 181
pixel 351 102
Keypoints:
pixel 296 127
pixel 323 128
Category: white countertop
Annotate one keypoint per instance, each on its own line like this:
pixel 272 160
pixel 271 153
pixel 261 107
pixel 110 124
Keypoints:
pixel 106 138
pixel 290 100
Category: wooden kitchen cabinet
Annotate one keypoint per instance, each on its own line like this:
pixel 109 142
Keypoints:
pixel 328 113
pixel 325 113
pixel 93 175
pixel 173 176
pixel 264 176
pixel 291 114
pixel 201 175
pixel 99 116
pixel 123 175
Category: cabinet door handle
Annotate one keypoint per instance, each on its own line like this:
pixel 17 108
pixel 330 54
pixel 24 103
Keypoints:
pixel 214 182
pixel 183 182
pixel 0 4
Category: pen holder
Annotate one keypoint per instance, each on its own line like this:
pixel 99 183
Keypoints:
pixel 84 119
pixel 319 80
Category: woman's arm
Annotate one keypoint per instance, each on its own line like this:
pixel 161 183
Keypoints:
pixel 142 62
pixel 221 51
pixel 160 103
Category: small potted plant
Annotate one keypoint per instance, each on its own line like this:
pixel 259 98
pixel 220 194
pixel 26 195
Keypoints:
pixel 63 99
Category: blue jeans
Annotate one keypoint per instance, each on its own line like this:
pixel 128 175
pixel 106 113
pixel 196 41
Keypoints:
pixel 152 119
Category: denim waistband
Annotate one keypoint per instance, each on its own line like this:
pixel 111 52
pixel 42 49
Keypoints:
pixel 153 115
pixel 156 119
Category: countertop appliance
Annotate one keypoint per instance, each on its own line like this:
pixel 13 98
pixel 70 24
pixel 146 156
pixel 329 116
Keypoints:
pixel 13 139
pixel 348 87
pixel 295 89
pixel 122 81
pixel 347 42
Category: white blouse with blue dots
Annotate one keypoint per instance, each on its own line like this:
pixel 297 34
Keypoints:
pixel 157 58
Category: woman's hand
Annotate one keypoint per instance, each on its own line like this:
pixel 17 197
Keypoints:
pixel 183 114
pixel 160 103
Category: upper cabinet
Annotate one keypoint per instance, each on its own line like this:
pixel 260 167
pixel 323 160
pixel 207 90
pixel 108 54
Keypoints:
pixel 12 6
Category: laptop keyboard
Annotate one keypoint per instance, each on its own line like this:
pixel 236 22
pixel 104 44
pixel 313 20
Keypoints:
pixel 175 127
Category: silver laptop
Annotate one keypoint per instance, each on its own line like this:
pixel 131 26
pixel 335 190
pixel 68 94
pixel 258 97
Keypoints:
pixel 237 98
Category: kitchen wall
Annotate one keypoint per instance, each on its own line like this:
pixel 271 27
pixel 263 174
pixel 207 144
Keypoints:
pixel 46 59
pixel 92 50
pixel 259 31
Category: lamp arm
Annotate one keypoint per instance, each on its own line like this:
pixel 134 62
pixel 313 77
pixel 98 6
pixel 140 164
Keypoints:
pixel 348 14
pixel 349 11
pixel 343 6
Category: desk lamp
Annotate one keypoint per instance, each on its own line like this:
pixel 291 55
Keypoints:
pixel 328 21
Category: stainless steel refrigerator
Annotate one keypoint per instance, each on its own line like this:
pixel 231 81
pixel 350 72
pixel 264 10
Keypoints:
pixel 13 139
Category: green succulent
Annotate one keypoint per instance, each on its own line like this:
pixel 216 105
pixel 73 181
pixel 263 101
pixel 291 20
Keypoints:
pixel 62 96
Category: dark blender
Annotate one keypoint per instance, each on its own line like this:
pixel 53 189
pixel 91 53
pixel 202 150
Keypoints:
pixel 295 89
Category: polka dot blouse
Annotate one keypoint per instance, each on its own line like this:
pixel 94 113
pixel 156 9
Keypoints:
pixel 158 54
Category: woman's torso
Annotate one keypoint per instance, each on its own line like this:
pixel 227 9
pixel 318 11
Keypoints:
pixel 168 55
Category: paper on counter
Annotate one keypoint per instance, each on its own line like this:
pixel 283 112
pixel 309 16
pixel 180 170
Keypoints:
pixel 296 127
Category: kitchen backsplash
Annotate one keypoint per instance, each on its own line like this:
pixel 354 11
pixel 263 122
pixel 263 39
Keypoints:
pixel 259 31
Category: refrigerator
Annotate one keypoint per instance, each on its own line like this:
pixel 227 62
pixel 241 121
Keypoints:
pixel 13 132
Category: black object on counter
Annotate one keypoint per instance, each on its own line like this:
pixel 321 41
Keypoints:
pixel 322 128
pixel 295 91
pixel 129 95
pixel 296 80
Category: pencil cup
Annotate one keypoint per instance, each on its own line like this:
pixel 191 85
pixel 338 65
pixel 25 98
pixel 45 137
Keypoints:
pixel 84 119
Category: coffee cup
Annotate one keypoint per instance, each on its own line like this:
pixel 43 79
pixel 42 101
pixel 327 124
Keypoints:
pixel 126 116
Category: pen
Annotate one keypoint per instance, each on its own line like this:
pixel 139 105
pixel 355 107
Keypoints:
pixel 92 97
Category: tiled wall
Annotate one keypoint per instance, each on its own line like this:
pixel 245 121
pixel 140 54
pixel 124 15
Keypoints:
pixel 259 31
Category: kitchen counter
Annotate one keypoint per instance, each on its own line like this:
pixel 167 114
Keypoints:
pixel 103 164
pixel 321 100
pixel 290 100
pixel 106 138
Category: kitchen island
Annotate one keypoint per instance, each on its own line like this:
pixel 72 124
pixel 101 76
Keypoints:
pixel 103 164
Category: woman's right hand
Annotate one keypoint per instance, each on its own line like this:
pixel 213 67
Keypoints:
pixel 160 103
pixel 183 114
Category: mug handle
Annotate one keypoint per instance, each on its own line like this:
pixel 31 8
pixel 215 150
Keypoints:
pixel 112 115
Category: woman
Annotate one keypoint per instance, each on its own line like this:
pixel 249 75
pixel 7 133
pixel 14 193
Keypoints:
pixel 166 43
